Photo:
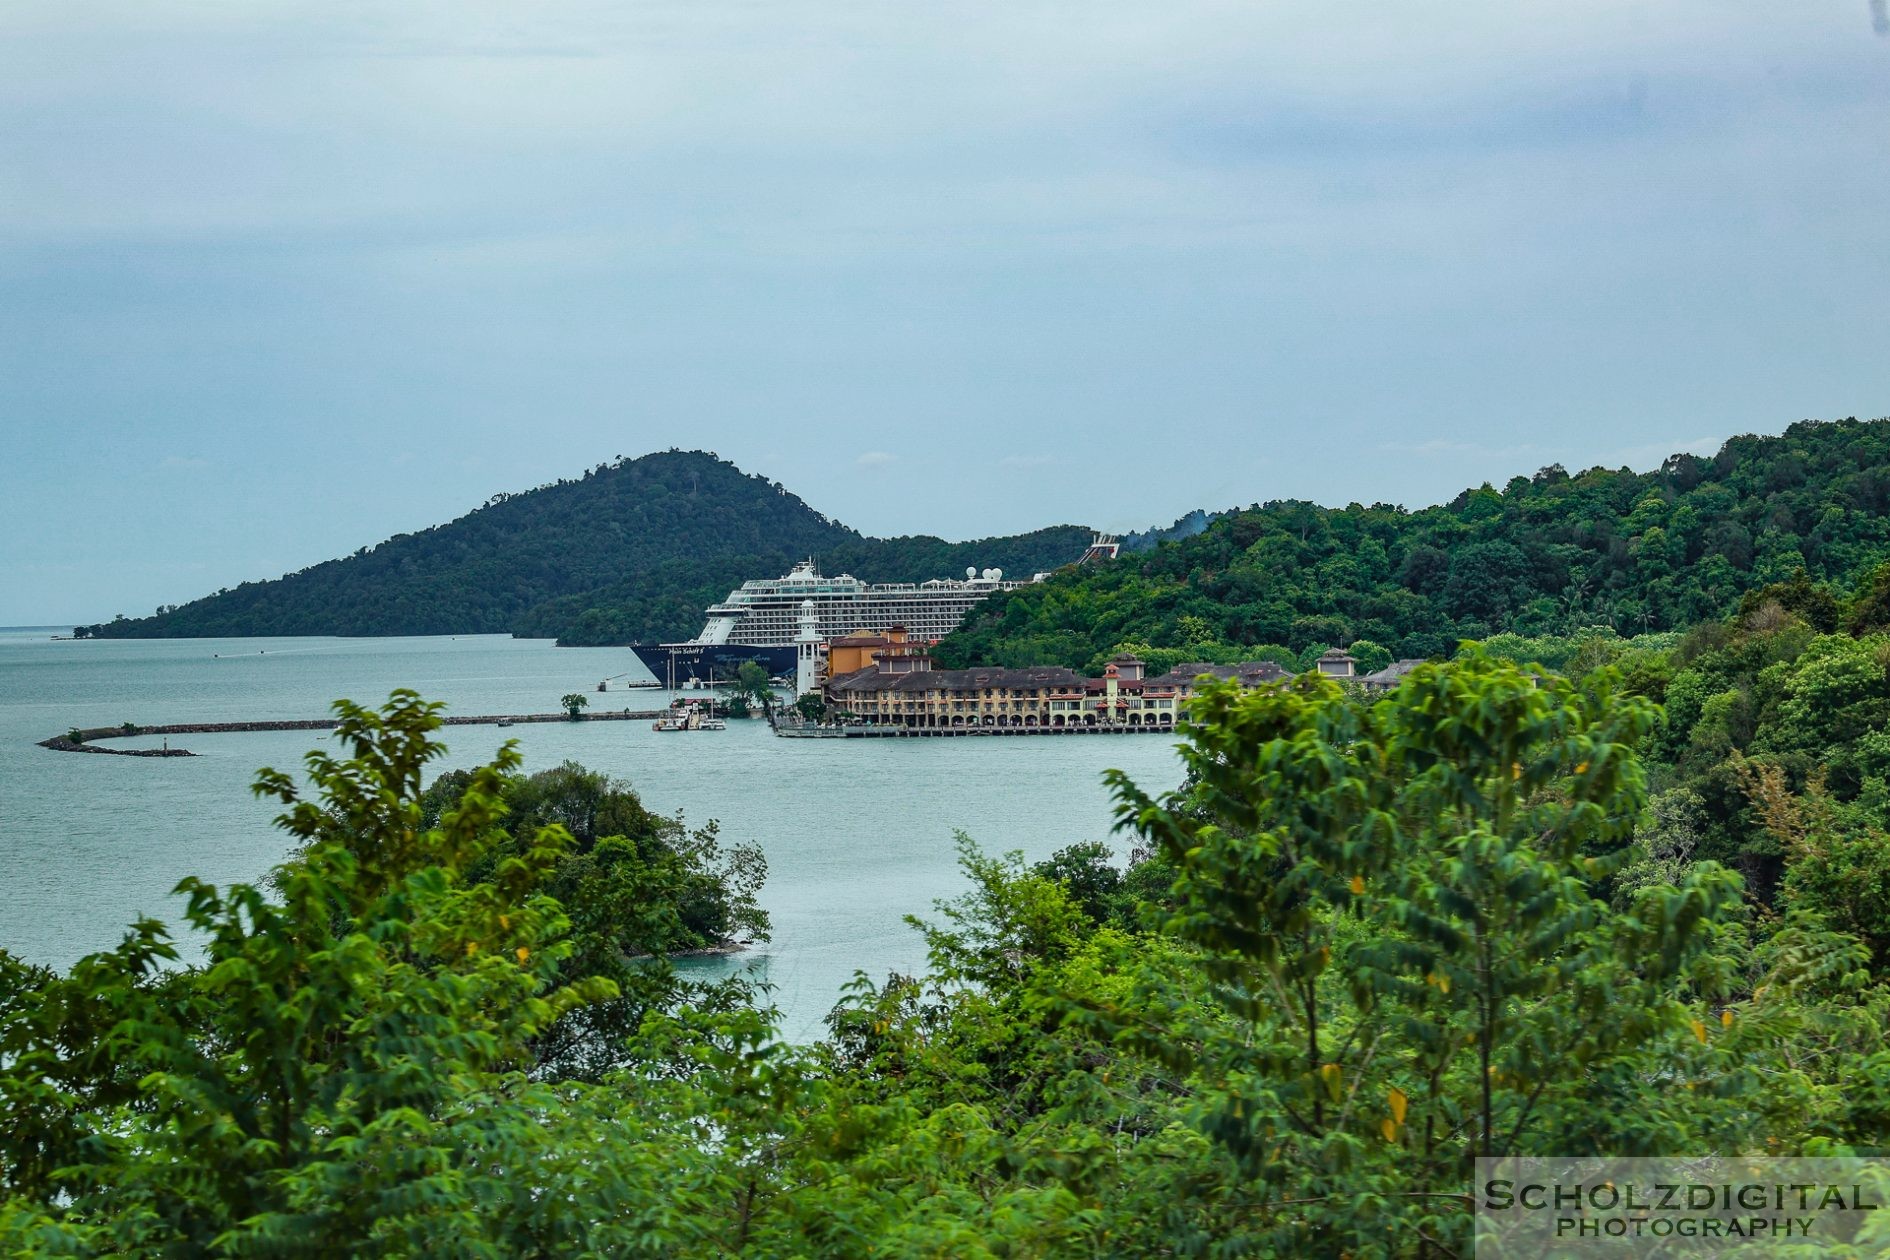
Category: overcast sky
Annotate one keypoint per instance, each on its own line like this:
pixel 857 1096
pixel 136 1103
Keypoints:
pixel 280 280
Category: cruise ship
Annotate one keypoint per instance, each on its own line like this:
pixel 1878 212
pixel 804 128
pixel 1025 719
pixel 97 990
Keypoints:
pixel 758 621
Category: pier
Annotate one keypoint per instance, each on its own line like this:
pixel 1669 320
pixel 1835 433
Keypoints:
pixel 88 739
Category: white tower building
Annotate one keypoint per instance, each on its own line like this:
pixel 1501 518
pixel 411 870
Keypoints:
pixel 807 650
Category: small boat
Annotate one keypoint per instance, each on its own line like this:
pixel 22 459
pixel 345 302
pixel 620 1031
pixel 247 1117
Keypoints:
pixel 689 718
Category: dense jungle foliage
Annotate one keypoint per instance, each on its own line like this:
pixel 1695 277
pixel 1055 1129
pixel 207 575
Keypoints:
pixel 633 550
pixel 1499 909
pixel 1774 759
pixel 1546 554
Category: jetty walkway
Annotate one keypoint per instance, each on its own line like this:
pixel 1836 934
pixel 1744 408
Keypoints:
pixel 87 741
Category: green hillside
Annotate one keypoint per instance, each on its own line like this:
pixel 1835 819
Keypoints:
pixel 1542 555
pixel 629 551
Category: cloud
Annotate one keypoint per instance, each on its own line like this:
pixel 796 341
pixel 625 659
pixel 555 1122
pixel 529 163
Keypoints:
pixel 875 460
pixel 173 462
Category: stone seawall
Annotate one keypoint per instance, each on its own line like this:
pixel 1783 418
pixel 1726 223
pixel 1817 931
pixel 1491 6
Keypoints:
pixel 87 741
pixel 61 743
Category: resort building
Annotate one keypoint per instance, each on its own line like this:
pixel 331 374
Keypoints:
pixel 860 649
pixel 903 689
pixel 1336 663
pixel 1390 676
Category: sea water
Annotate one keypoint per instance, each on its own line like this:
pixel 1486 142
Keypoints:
pixel 858 833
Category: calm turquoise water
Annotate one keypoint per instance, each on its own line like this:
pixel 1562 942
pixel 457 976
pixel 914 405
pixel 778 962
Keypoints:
pixel 858 833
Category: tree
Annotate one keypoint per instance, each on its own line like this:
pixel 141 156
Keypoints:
pixel 1402 908
pixel 574 703
pixel 751 688
pixel 1087 876
pixel 638 887
pixel 1870 610
pixel 1838 858
pixel 1371 657
pixel 1644 552
pixel 320 1083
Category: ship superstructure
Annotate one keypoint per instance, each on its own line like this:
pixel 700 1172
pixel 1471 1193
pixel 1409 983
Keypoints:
pixel 761 618
pixel 766 612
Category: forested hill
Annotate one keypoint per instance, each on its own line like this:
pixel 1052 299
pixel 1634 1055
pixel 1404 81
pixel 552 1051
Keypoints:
pixel 631 550
pixel 1543 554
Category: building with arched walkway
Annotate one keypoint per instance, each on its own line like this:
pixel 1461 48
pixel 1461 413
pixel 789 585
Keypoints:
pixel 907 692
